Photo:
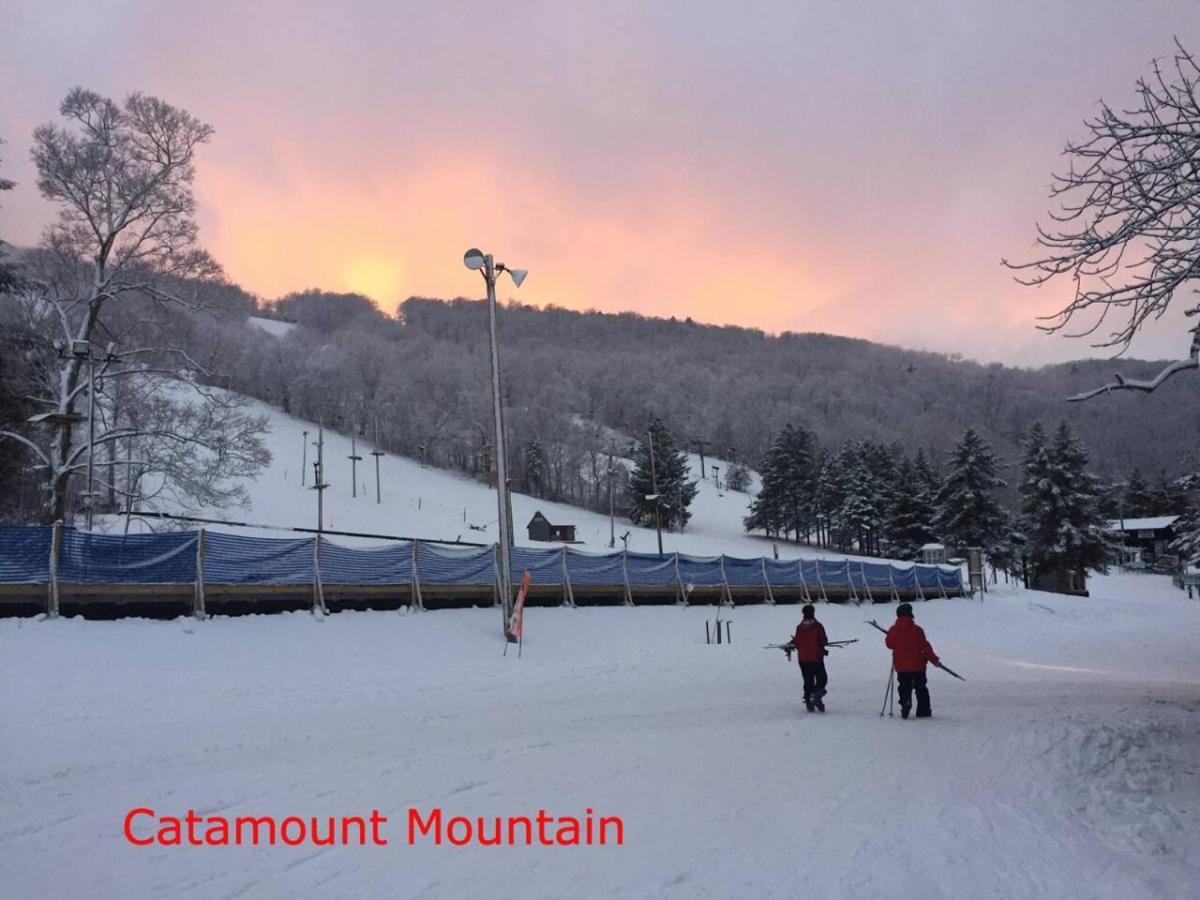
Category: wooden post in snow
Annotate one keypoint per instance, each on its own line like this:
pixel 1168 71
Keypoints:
pixel 55 549
pixel 198 598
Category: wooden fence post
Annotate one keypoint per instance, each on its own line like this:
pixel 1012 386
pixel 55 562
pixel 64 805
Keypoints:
pixel 55 549
pixel 198 598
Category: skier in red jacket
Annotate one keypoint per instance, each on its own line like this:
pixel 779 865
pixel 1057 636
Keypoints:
pixel 809 642
pixel 910 652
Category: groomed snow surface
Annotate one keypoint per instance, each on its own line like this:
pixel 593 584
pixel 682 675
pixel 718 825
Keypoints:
pixel 1068 765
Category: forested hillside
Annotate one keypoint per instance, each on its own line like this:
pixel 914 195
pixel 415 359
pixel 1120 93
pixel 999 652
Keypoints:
pixel 424 377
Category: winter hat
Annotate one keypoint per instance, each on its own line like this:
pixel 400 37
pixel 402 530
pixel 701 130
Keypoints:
pixel 904 609
pixel 807 610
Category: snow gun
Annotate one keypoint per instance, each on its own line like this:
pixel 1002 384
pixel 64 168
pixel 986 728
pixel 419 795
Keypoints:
pixel 942 666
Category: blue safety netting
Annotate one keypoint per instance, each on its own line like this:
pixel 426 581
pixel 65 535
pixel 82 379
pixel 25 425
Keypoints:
pixel 25 554
pixel 651 570
pixel 87 558
pixel 456 565
pixel 700 571
pixel 236 559
pixel 170 558
pixel 544 566
pixel 350 565
pixel 743 572
pixel 592 570
pixel 928 578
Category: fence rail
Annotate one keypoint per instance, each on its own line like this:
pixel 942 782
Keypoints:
pixel 51 560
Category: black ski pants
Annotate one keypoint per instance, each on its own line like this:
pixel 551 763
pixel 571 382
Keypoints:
pixel 914 681
pixel 815 679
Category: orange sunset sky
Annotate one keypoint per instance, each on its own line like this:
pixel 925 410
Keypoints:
pixel 856 168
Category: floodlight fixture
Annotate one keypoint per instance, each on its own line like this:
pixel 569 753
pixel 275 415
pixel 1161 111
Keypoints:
pixel 474 259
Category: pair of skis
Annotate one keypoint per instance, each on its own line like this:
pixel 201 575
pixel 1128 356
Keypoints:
pixel 790 646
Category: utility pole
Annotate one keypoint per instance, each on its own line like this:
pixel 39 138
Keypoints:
pixel 354 458
pixel 612 521
pixel 654 488
pixel 304 460
pixel 319 478
pixel 489 268
pixel 377 453
pixel 700 445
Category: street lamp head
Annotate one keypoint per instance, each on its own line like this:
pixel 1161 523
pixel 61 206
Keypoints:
pixel 474 259
pixel 518 275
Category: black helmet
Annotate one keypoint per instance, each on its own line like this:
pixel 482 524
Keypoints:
pixel 807 611
pixel 904 609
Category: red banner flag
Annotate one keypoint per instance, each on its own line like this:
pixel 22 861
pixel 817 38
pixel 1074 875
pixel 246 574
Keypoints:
pixel 516 624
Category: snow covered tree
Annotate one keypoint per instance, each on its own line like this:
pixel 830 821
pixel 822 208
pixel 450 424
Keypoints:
pixel 1060 504
pixel 738 478
pixel 1136 499
pixel 968 513
pixel 9 279
pixel 665 475
pixel 122 253
pixel 858 515
pixel 784 500
pixel 1127 230
pixel 828 493
pixel 535 466
pixel 910 525
pixel 1167 498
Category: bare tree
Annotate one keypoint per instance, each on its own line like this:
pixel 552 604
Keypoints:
pixel 122 253
pixel 1127 230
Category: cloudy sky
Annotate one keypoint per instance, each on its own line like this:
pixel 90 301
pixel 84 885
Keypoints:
pixel 858 167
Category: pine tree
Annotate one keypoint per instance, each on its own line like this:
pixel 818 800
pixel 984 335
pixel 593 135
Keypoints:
pixel 670 473
pixel 968 514
pixel 1137 502
pixel 1061 516
pixel 535 467
pixel 858 516
pixel 828 493
pixel 910 525
pixel 1166 497
pixel 783 504
pixel 738 478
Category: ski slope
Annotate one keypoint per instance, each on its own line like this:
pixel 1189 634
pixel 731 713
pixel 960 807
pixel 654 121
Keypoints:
pixel 1067 765
pixel 440 504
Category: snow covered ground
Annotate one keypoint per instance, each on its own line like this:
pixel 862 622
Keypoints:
pixel 1068 765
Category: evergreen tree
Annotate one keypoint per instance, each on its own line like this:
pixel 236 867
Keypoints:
pixel 738 478
pixel 826 501
pixel 1137 502
pixel 858 516
pixel 910 525
pixel 1063 523
pixel 968 514
pixel 669 472
pixel 1167 498
pixel 535 467
pixel 783 503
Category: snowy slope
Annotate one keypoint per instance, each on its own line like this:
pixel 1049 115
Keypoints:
pixel 1066 766
pixel 273 327
pixel 435 503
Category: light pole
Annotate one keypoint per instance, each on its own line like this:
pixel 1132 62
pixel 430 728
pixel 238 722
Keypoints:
pixel 612 520
pixel 486 266
pixel 654 496
pixel 82 350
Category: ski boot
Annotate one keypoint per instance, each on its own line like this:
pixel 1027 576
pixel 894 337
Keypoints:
pixel 819 704
pixel 904 708
pixel 808 704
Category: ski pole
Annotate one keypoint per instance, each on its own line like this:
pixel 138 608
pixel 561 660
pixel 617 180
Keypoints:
pixel 877 625
pixel 891 675
pixel 950 671
pixel 840 643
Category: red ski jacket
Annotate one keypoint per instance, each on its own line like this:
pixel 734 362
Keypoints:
pixel 910 649
pixel 810 641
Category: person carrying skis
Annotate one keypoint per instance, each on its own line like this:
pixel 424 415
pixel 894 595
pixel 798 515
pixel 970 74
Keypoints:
pixel 810 642
pixel 910 652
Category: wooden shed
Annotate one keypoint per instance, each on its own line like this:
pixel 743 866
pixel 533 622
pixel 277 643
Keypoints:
pixel 542 529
